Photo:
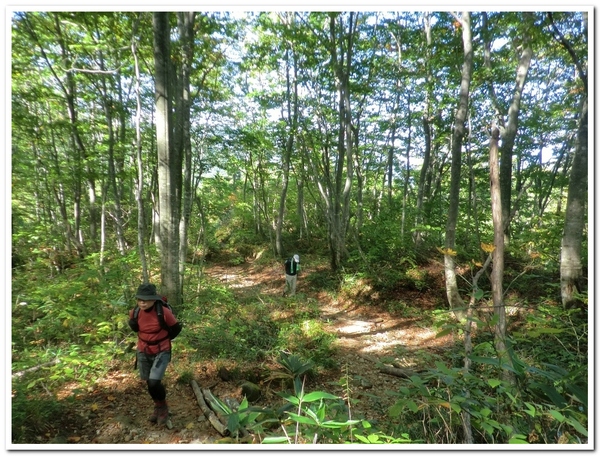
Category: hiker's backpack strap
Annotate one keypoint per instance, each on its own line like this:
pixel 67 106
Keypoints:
pixel 161 315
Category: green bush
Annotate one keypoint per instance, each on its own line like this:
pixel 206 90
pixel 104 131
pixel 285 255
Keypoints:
pixel 33 418
pixel 546 404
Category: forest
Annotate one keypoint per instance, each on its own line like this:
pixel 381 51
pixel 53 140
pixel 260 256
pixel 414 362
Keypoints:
pixel 430 169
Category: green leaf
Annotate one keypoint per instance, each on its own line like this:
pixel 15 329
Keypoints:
pixel 557 415
pixel 550 331
pixel 233 422
pixel 518 440
pixel 361 438
pixel 289 397
pixel 551 393
pixel 578 393
pixel 312 415
pixel 275 440
pixel 444 332
pixel 338 424
pixel 301 419
pixel 317 395
pixel 531 411
pixel 494 382
pixel 321 413
pixel 412 406
pixel 443 368
pixel 493 362
pixel 373 438
pixel 396 409
pixel 578 426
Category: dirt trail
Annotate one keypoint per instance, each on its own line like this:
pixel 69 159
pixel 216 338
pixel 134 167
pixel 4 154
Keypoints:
pixel 115 411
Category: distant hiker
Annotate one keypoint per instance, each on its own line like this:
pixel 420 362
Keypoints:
pixel 156 325
pixel 292 268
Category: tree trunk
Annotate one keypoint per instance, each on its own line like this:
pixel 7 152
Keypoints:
pixel 112 175
pixel 454 299
pixel 139 191
pixel 498 258
pixel 418 234
pixel 341 200
pixel 425 176
pixel 70 92
pixel 571 274
pixel 186 32
pixel 510 132
pixel 292 116
pixel 407 171
pixel 169 161
pixel 510 129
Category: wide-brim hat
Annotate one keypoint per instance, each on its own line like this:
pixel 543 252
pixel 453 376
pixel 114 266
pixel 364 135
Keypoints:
pixel 147 292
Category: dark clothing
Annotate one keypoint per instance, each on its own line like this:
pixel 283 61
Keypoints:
pixel 291 267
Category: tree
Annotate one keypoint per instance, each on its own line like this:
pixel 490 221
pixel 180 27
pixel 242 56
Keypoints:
pixel 498 256
pixel 571 274
pixel 454 299
pixel 169 160
pixel 509 128
pixel 139 190
pixel 341 48
pixel 291 87
pixel 185 22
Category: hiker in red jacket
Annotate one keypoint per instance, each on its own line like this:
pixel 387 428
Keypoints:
pixel 155 332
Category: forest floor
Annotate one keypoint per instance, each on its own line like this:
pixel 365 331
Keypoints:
pixel 116 409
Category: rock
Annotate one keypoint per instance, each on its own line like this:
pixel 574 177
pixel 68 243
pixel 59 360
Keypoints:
pixel 232 403
pixel 251 391
pixel 224 374
pixel 365 383
pixel 59 439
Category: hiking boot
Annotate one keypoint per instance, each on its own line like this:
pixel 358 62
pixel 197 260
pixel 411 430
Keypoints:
pixel 154 417
pixel 162 415
pixel 157 407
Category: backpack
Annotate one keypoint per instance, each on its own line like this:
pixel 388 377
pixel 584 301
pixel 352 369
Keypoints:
pixel 158 306
pixel 291 267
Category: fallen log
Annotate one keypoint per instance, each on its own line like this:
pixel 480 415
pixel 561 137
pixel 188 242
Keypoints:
pixel 395 371
pixel 210 415
pixel 34 368
pixel 213 403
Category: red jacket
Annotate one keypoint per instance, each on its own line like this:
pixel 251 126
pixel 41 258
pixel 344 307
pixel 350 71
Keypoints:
pixel 151 331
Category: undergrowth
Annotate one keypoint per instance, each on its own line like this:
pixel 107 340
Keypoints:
pixel 72 327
